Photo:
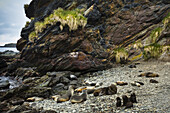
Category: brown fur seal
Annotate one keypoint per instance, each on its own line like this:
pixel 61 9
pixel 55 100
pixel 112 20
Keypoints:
pixel 66 96
pixel 127 102
pixel 133 98
pixel 121 83
pixel 79 98
pixel 90 89
pixel 110 90
pixel 148 74
pixel 118 102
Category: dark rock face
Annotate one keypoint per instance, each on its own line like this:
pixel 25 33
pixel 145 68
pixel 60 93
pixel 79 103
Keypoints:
pixel 111 24
pixel 2 63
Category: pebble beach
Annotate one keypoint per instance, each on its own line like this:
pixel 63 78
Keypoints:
pixel 151 97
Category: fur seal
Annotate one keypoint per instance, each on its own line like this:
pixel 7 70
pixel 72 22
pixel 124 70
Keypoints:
pixel 126 102
pixel 110 90
pixel 118 102
pixel 133 98
pixel 121 83
pixel 148 74
pixel 90 89
pixel 32 99
pixel 153 81
pixel 79 98
pixel 66 96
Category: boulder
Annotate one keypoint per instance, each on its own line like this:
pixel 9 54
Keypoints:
pixel 2 63
pixel 4 84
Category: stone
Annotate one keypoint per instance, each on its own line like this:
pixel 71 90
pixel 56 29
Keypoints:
pixel 64 80
pixel 4 84
pixel 132 66
pixel 73 82
pixel 2 63
pixel 48 111
pixel 59 86
pixel 73 77
pixel 17 101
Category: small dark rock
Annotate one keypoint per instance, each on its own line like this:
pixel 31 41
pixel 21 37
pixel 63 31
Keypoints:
pixel 17 101
pixel 2 63
pixel 132 66
pixel 74 82
pixel 59 86
pixel 64 80
pixel 48 111
pixel 4 84
pixel 153 81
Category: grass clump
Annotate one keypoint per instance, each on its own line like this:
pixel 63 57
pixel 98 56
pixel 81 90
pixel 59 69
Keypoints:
pixel 32 36
pixel 155 34
pixel 152 51
pixel 166 20
pixel 120 54
pixel 73 19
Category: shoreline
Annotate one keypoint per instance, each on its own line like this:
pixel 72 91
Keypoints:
pixel 151 97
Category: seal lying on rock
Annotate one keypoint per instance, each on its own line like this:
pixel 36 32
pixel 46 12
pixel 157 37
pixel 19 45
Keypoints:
pixel 66 96
pixel 79 98
pixel 110 90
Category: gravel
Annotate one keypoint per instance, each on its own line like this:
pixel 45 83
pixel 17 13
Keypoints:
pixel 151 97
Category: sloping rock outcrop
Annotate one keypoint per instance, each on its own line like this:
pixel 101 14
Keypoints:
pixel 116 31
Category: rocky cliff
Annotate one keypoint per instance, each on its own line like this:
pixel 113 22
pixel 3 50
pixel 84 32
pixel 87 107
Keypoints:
pixel 88 35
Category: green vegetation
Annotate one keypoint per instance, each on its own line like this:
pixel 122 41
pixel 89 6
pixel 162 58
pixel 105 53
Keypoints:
pixel 155 34
pixel 73 19
pixel 26 6
pixel 120 54
pixel 27 23
pixel 32 36
pixel 66 17
pixel 152 51
pixel 166 20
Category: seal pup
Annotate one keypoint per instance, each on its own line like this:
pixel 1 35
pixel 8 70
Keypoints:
pixel 112 89
pixel 79 98
pixel 133 98
pixel 118 102
pixel 66 96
